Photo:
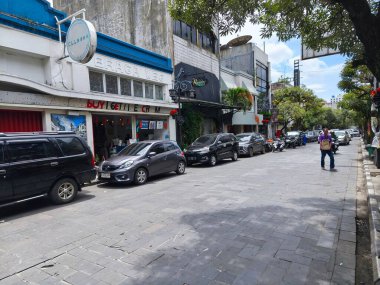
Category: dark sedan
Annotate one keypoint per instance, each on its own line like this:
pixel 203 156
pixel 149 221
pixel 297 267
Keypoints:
pixel 250 143
pixel 138 161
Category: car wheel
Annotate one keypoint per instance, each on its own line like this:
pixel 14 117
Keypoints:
pixel 250 152
pixel 212 161
pixel 141 176
pixel 234 156
pixel 181 168
pixel 263 150
pixel 64 191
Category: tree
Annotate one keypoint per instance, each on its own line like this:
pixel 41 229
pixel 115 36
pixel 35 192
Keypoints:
pixel 298 105
pixel 352 26
pixel 239 97
pixel 356 82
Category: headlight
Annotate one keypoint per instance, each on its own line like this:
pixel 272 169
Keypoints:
pixel 127 164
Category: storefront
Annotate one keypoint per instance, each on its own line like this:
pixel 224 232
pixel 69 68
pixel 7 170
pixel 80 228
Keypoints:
pixel 20 121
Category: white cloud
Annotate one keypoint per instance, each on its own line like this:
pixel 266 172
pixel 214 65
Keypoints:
pixel 278 52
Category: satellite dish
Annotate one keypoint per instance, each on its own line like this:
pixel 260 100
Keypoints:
pixel 239 41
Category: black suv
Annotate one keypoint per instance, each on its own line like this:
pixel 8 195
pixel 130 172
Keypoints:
pixel 250 143
pixel 39 164
pixel 211 148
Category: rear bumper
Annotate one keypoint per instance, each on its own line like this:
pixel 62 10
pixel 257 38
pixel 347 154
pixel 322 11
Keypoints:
pixel 86 176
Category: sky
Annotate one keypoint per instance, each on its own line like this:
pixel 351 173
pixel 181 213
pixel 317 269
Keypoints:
pixel 319 74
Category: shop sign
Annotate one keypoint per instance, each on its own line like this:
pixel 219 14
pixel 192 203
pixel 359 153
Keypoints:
pixel 106 105
pixel 81 40
pixel 199 82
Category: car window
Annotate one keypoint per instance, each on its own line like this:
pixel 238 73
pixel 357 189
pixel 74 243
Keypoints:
pixel 1 153
pixel 135 149
pixel 22 151
pixel 71 146
pixel 243 138
pixel 158 148
pixel 231 138
pixel 205 140
pixel 170 146
pixel 224 139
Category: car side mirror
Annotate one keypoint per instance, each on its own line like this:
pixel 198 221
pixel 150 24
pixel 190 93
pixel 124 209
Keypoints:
pixel 151 154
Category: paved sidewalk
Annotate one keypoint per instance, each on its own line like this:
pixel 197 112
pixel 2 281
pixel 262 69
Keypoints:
pixel 271 219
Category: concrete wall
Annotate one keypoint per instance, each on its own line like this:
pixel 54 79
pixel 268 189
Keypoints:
pixel 144 23
pixel 240 58
pixel 191 54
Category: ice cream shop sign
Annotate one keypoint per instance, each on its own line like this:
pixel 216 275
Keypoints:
pixel 105 105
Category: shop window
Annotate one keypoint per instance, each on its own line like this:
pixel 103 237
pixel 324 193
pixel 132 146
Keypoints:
pixel 138 88
pixel 126 87
pixel 159 93
pixel 70 146
pixel 111 84
pixel 27 151
pixel 148 90
pixel 96 81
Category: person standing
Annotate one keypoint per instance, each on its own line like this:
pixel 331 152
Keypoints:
pixel 325 141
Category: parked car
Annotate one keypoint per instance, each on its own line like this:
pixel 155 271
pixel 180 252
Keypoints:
pixel 212 148
pixel 267 142
pixel 342 136
pixel 295 135
pixel 41 164
pixel 355 133
pixel 312 136
pixel 139 161
pixel 250 143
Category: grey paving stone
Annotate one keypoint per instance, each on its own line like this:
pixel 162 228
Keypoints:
pixel 79 278
pixel 291 243
pixel 225 277
pixel 109 276
pixel 348 227
pixel 343 276
pixel 345 260
pixel 348 236
pixel 249 251
pixel 290 255
pixel 297 274
pixel 346 246
pixel 326 239
pixel 57 270
pixel 272 275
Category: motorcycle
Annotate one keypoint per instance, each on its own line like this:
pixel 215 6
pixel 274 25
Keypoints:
pixel 334 146
pixel 290 142
pixel 278 145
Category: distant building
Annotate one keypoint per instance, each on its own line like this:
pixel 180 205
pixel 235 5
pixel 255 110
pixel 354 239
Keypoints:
pixel 279 85
pixel 333 103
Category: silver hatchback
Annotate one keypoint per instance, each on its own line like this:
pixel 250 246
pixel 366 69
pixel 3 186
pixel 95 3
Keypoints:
pixel 138 161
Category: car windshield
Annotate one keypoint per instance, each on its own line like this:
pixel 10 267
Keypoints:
pixel 205 140
pixel 292 133
pixel 340 133
pixel 135 149
pixel 243 138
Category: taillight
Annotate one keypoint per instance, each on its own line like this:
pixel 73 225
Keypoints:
pixel 92 161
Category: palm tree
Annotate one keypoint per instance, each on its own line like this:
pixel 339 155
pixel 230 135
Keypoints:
pixel 239 97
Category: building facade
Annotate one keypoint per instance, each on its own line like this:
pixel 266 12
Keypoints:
pixel 252 60
pixel 120 96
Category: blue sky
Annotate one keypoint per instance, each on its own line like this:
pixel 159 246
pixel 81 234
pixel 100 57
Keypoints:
pixel 319 74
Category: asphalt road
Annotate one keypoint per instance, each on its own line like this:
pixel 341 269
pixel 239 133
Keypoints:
pixel 276 218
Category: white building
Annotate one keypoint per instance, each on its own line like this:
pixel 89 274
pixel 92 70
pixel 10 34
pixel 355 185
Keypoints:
pixel 121 94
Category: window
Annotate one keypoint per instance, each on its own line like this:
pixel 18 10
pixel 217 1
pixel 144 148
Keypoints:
pixel 1 153
pixel 170 146
pixel 224 139
pixel 148 91
pixel 126 87
pixel 158 148
pixel 189 33
pixel 70 146
pixel 177 28
pixel 261 78
pixel 28 151
pixel 159 92
pixel 96 81
pixel 137 88
pixel 111 84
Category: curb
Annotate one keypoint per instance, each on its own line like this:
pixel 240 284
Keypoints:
pixel 374 216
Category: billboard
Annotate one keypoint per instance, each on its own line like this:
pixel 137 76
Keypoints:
pixel 69 123
pixel 307 53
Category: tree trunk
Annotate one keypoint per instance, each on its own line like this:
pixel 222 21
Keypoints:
pixel 367 28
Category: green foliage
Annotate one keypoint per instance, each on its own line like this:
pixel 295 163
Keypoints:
pixel 239 97
pixel 192 128
pixel 299 106
pixel 350 26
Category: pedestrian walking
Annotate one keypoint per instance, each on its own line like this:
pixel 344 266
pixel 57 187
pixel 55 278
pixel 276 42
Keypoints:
pixel 325 141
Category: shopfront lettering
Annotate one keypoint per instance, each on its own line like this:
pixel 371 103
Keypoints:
pixel 128 69
pixel 114 106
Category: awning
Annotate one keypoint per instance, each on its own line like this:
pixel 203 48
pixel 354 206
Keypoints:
pixel 226 83
pixel 247 84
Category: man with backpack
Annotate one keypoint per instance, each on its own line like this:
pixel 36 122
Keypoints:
pixel 325 142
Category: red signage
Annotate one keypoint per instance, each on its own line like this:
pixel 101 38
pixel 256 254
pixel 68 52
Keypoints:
pixel 105 105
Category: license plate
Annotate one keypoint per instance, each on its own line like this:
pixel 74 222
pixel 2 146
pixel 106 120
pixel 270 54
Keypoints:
pixel 191 158
pixel 105 175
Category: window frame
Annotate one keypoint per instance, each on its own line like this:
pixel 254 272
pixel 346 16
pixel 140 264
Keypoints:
pixel 72 155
